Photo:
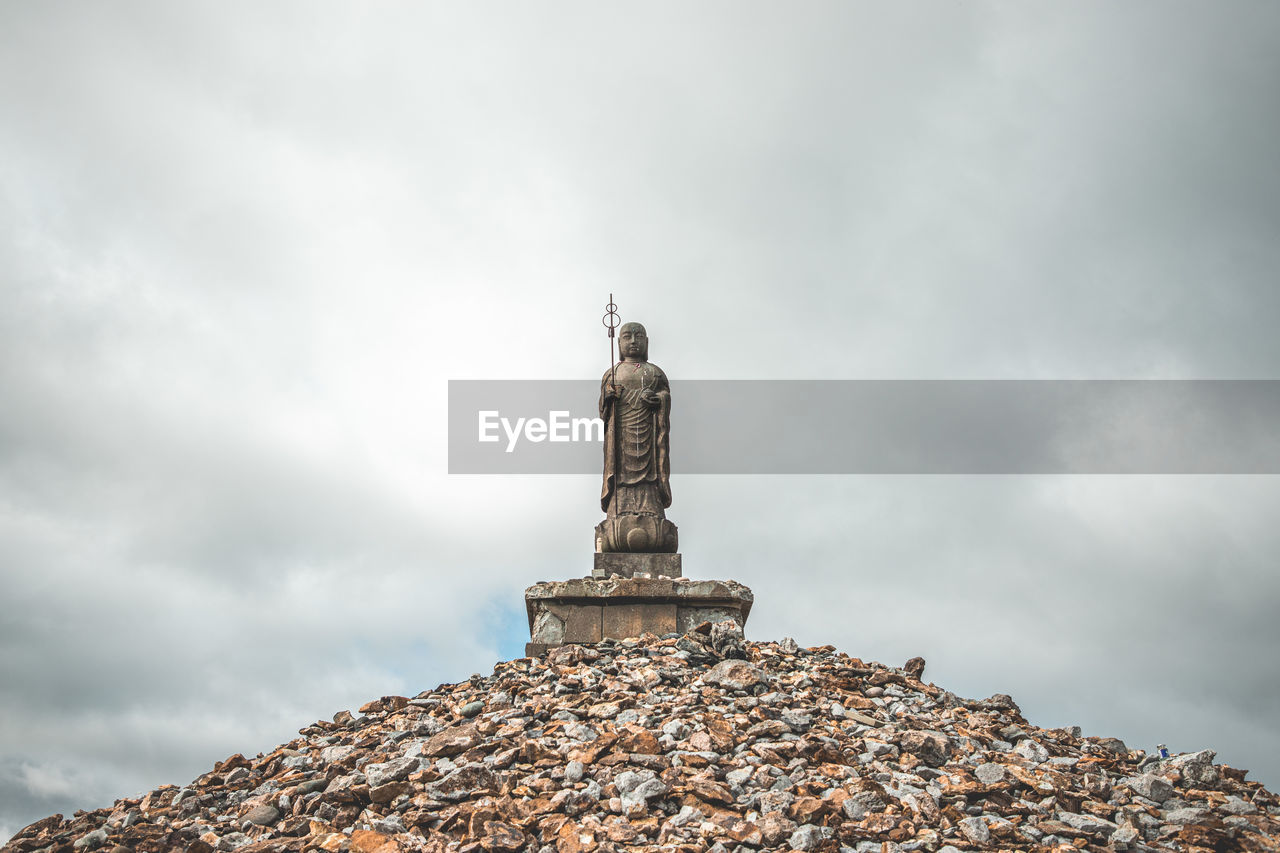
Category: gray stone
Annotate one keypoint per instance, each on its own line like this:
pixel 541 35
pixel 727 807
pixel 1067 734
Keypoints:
pixel 343 783
pixel 1238 806
pixel 933 747
pixel 646 790
pixel 91 841
pixel 879 749
pixel 1124 837
pixel 471 709
pixel 797 720
pixel 774 801
pixel 975 829
pixel 263 815
pixel 573 772
pixel 236 776
pixel 628 780
pixel 807 837
pixel 1197 767
pixel 390 771
pixel 870 801
pixel 330 754
pixel 1186 815
pixel 735 675
pixel 727 639
pixel 989 773
pixel 464 782
pixel 1087 823
pixel 312 785
pixel 1149 785
pixel 678 729
pixel 581 732
pixel 1032 751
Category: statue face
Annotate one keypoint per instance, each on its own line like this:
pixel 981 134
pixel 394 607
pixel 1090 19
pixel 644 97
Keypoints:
pixel 633 342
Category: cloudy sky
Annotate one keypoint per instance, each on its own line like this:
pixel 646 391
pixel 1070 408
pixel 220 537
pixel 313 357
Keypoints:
pixel 244 248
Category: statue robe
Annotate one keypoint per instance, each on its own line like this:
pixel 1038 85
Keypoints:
pixel 637 464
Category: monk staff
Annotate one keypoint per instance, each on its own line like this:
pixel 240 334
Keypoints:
pixel 610 321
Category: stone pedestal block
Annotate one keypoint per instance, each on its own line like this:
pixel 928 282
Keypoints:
pixel 587 610
pixel 630 533
pixel 612 564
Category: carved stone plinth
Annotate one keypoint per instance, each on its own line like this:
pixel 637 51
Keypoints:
pixel 637 534
pixel 587 610
pixel 609 565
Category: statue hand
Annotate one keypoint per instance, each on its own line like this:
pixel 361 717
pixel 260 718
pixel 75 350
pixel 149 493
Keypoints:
pixel 610 393
pixel 651 399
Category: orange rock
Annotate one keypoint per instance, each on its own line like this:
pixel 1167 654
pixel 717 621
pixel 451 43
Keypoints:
pixel 808 809
pixel 620 831
pixel 742 832
pixel 572 838
pixel 638 739
pixel 589 753
pixel 710 791
pixel 721 733
pixel 501 836
pixel 368 841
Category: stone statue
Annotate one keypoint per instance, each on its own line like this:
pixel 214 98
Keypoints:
pixel 635 404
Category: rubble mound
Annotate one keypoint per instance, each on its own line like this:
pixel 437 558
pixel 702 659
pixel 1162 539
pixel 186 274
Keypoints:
pixel 681 743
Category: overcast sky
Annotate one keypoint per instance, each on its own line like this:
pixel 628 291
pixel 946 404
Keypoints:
pixel 243 249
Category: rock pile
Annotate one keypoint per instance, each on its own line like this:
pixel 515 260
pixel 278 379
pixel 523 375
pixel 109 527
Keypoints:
pixel 681 743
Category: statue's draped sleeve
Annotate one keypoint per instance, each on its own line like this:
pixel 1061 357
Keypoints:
pixel 663 449
pixel 609 441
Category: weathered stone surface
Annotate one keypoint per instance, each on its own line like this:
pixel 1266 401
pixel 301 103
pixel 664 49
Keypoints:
pixel 736 675
pixel 975 829
pixel 1150 786
pixel 727 639
pixel 1088 824
pixel 628 565
pixel 464 782
pixel 1032 751
pixel 451 741
pixel 392 771
pixel 500 836
pixel 262 815
pixel 584 623
pixel 655 744
pixel 587 610
pixel 989 774
pixel 933 747
pixel 632 620
pixel 620 589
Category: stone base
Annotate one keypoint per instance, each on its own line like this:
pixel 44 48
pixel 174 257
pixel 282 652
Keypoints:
pixel 587 610
pixel 611 565
pixel 637 534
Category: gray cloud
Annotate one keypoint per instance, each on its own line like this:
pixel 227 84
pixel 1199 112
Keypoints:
pixel 244 250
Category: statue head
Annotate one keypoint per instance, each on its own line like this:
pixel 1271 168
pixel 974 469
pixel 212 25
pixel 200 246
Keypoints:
pixel 633 342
